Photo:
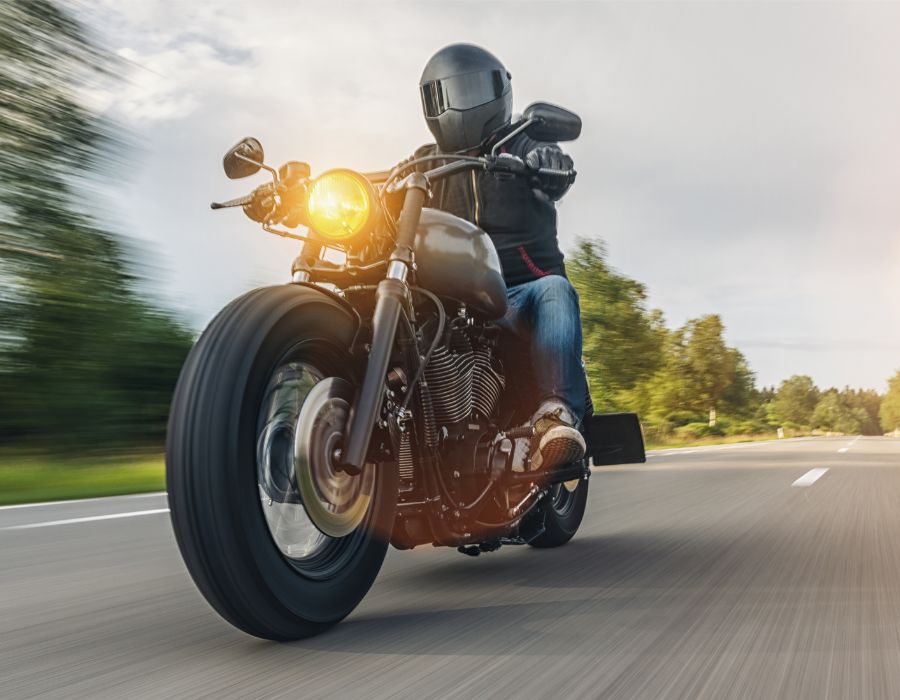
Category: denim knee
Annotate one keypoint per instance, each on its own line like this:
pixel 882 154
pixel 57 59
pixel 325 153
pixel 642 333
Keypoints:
pixel 554 289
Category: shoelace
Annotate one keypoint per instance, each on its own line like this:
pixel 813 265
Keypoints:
pixel 552 417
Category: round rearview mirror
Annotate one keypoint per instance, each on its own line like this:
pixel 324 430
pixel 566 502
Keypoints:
pixel 243 159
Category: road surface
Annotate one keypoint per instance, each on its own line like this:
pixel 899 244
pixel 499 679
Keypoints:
pixel 766 570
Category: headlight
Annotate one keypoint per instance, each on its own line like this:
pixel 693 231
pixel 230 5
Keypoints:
pixel 341 204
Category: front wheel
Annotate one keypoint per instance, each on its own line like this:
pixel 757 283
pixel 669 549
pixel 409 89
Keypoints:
pixel 563 513
pixel 280 541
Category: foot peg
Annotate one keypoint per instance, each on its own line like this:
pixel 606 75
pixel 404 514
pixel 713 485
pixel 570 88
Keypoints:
pixel 473 550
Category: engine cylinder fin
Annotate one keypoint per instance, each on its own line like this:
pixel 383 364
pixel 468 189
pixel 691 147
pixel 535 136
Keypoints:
pixel 463 379
pixel 449 376
pixel 428 421
pixel 487 383
pixel 405 461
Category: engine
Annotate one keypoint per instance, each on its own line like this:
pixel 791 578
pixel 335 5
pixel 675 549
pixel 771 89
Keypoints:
pixel 463 385
pixel 465 380
pixel 460 405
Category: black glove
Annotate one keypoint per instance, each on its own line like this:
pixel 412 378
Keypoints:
pixel 289 208
pixel 262 206
pixel 552 157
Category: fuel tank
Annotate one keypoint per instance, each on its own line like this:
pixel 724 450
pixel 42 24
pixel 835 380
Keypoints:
pixel 456 259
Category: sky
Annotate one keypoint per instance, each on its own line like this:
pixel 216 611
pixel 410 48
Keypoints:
pixel 737 158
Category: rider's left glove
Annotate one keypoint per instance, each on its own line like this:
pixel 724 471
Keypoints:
pixel 552 157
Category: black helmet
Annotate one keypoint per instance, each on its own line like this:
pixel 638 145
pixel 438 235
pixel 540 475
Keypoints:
pixel 466 96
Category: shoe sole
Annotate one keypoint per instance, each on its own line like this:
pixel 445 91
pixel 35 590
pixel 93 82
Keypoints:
pixel 559 446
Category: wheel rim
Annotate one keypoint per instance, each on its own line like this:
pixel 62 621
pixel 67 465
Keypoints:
pixel 292 529
pixel 335 501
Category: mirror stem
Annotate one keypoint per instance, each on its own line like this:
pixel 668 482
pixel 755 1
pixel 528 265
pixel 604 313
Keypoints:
pixel 518 130
pixel 261 165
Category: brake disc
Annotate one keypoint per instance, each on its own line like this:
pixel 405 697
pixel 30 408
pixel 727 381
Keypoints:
pixel 336 502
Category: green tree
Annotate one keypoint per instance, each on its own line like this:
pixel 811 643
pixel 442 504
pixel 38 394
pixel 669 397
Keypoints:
pixel 741 397
pixel 833 414
pixel 85 360
pixel 890 405
pixel 708 362
pixel 622 339
pixel 866 403
pixel 795 401
pixel 698 372
pixel 670 396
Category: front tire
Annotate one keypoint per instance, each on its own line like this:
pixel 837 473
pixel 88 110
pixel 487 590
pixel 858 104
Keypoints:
pixel 235 507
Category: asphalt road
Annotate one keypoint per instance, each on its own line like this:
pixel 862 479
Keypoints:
pixel 703 574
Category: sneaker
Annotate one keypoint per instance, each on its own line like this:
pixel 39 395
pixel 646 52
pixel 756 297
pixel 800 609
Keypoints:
pixel 556 440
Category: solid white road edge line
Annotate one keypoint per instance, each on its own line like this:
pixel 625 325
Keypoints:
pixel 810 477
pixel 93 518
pixel 82 500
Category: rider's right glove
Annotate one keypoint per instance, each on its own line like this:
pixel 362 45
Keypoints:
pixel 262 206
pixel 288 209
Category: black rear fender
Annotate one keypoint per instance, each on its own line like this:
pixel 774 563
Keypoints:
pixel 614 438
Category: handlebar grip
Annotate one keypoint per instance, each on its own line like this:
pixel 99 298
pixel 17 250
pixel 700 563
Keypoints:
pixel 237 202
pixel 514 165
pixel 555 172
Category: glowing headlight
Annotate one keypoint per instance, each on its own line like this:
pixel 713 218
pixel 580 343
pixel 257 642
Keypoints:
pixel 340 204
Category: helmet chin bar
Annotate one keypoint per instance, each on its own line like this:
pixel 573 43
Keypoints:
pixel 458 131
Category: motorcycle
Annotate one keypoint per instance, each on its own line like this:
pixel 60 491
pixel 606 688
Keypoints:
pixel 368 402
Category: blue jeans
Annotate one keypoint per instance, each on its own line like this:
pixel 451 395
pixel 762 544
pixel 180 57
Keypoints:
pixel 545 317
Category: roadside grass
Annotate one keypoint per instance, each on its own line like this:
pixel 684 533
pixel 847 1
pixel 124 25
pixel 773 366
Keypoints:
pixel 712 440
pixel 29 478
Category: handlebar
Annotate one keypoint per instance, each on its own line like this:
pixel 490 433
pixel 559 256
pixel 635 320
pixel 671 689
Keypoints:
pixel 503 164
pixel 236 202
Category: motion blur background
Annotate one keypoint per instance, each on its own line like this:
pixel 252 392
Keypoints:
pixel 732 231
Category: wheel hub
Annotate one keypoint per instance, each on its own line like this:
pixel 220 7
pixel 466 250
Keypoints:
pixel 335 500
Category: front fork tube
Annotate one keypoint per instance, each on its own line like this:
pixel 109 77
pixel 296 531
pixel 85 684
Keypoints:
pixel 389 299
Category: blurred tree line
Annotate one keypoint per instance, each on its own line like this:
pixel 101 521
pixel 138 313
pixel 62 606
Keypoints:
pixel 890 406
pixel 85 360
pixel 688 383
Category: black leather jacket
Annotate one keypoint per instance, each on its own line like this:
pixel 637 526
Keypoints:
pixel 520 220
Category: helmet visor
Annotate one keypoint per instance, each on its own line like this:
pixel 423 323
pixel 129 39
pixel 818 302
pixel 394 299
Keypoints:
pixel 463 91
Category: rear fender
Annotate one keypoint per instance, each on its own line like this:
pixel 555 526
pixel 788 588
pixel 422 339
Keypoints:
pixel 614 438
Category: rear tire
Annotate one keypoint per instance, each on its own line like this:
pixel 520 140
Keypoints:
pixel 563 513
pixel 216 499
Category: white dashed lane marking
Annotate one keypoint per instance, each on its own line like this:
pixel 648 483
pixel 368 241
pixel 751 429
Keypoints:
pixel 810 477
pixel 852 443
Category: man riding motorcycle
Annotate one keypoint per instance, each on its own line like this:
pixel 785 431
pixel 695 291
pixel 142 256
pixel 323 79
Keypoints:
pixel 467 103
pixel 374 401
